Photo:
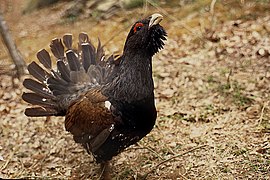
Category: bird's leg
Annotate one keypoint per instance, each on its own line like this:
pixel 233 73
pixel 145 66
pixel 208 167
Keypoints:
pixel 105 171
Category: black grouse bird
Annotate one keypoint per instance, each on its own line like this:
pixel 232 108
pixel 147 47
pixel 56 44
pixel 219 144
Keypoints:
pixel 108 103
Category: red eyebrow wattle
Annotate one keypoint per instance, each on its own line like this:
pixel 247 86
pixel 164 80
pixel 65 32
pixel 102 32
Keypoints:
pixel 137 25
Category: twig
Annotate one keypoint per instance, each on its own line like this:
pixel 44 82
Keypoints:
pixel 172 158
pixel 212 7
pixel 182 176
pixel 7 162
pixel 11 46
pixel 9 158
pixel 212 11
pixel 151 150
pixel 228 78
pixel 20 172
pixel 262 113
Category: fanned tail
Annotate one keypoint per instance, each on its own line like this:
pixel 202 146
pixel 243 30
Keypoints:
pixel 78 71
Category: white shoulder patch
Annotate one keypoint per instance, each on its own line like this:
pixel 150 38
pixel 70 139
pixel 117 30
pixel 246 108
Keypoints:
pixel 108 105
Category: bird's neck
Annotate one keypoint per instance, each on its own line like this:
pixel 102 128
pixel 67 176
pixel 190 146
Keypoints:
pixel 132 91
pixel 133 81
pixel 136 75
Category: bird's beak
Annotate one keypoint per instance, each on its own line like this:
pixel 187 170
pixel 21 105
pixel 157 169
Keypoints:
pixel 155 19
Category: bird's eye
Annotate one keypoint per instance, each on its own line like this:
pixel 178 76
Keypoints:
pixel 137 27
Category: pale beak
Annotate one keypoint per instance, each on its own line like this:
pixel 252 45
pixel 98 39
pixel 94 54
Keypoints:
pixel 155 19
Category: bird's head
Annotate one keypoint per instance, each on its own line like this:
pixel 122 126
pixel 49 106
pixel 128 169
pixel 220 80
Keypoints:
pixel 146 34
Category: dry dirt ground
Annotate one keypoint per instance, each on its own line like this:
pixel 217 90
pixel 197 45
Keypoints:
pixel 212 85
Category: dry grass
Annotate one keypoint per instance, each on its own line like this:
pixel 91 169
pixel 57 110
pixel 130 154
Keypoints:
pixel 212 95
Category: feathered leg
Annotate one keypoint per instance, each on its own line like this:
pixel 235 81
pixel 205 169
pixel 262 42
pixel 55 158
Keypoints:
pixel 105 171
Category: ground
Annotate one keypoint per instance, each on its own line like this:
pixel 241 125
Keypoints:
pixel 212 95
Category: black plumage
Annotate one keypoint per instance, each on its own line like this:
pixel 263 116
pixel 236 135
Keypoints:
pixel 85 81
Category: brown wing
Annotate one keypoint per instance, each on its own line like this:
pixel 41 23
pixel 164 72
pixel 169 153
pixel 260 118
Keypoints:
pixel 89 120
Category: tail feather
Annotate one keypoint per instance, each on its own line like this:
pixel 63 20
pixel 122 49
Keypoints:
pixel 58 89
pixel 83 38
pixel 44 58
pixel 78 71
pixel 88 51
pixel 36 99
pixel 64 71
pixel 38 73
pixel 88 56
pixel 73 61
pixel 56 81
pixel 57 85
pixel 40 111
pixel 57 48
pixel 100 54
pixel 38 88
pixel 67 40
